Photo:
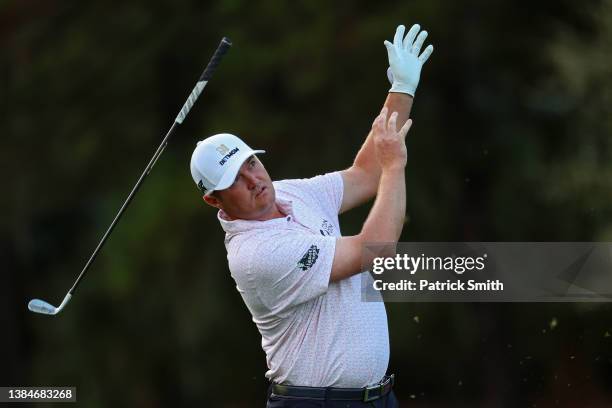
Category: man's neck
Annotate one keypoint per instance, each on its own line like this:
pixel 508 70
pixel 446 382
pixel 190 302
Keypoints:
pixel 275 212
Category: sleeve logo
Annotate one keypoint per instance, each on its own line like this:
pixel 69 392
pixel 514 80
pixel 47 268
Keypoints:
pixel 326 228
pixel 309 258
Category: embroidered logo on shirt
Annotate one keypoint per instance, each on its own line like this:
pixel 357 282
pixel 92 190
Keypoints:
pixel 309 258
pixel 326 228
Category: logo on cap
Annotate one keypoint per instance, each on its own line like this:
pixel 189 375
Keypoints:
pixel 201 187
pixel 227 156
pixel 223 149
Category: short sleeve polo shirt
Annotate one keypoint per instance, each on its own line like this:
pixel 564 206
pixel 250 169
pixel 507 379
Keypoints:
pixel 314 333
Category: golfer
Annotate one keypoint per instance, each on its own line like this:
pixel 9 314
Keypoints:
pixel 298 276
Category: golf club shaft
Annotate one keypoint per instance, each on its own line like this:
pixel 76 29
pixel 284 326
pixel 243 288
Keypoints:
pixel 195 93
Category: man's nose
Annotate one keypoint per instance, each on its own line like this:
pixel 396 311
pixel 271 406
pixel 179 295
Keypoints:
pixel 250 179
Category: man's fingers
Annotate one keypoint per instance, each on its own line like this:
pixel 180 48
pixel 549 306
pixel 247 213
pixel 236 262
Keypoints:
pixel 381 118
pixel 425 54
pixel 404 130
pixel 399 35
pixel 392 122
pixel 376 123
pixel 410 36
pixel 416 47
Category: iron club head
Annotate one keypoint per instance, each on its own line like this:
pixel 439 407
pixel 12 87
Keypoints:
pixel 42 307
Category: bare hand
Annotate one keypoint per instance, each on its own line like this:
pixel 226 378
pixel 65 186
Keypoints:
pixel 390 144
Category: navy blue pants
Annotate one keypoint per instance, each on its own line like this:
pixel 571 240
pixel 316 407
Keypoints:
pixel 388 401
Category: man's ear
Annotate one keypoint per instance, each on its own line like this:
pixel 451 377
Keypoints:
pixel 212 201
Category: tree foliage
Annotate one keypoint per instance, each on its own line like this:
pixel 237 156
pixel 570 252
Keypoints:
pixel 511 141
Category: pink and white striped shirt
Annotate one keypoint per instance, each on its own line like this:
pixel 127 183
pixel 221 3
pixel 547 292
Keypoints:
pixel 314 333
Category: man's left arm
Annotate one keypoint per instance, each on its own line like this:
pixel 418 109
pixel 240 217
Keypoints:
pixel 405 63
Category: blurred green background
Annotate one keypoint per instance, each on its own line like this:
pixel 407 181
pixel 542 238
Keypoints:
pixel 511 142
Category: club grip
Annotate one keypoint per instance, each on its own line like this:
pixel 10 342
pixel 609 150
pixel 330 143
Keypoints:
pixel 204 78
pixel 222 49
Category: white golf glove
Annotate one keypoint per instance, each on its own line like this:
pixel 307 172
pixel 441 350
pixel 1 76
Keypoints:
pixel 404 61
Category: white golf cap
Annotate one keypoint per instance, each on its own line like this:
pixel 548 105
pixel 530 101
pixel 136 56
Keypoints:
pixel 216 160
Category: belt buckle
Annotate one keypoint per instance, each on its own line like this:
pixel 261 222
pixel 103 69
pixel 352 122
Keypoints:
pixel 380 387
pixel 366 394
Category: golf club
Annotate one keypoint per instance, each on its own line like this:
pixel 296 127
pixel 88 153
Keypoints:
pixel 40 306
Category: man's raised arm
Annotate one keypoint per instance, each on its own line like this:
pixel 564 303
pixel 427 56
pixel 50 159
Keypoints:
pixel 362 178
pixel 386 219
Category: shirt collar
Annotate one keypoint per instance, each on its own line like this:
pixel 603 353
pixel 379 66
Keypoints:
pixel 236 226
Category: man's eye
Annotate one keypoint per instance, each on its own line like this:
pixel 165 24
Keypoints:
pixel 252 163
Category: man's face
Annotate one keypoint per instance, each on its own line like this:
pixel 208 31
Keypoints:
pixel 250 197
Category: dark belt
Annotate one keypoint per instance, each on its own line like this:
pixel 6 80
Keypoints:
pixel 367 394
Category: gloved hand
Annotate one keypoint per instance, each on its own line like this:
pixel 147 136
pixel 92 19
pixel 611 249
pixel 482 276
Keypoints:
pixel 404 61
